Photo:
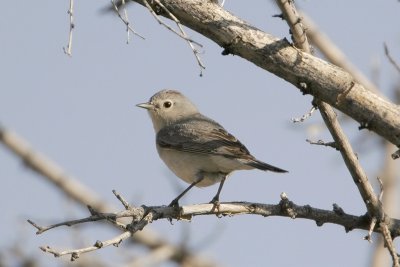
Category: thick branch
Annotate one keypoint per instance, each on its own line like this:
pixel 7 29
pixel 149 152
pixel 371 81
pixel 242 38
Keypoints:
pixel 329 117
pixel 373 203
pixel 310 74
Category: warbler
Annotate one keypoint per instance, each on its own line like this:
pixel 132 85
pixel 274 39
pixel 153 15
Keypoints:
pixel 196 148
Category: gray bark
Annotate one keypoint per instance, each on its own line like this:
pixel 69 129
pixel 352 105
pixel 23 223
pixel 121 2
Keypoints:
pixel 308 73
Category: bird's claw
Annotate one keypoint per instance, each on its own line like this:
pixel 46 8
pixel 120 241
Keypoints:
pixel 215 202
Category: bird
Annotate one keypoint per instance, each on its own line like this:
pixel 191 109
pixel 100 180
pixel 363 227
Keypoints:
pixel 194 147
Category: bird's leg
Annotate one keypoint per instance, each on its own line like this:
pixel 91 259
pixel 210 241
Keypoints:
pixel 215 199
pixel 174 203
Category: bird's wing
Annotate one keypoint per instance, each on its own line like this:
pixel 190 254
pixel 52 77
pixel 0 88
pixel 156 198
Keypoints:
pixel 202 136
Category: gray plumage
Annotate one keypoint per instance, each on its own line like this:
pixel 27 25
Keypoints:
pixel 196 148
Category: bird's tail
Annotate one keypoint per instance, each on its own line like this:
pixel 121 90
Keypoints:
pixel 264 166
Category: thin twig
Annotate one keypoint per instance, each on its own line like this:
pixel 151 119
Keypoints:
pixel 372 224
pixel 322 143
pixel 151 10
pixel 181 34
pixel 387 237
pixel 75 253
pixel 125 20
pixel 381 188
pixel 387 181
pixel 305 116
pixel 122 200
pixel 391 59
pixel 195 51
pixel 70 12
pixel 93 218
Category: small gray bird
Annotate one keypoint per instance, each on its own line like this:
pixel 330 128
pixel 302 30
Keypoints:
pixel 196 148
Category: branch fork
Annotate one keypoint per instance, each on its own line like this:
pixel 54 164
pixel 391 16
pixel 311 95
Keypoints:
pixel 372 202
pixel 143 215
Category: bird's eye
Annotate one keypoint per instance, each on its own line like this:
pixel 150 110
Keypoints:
pixel 167 104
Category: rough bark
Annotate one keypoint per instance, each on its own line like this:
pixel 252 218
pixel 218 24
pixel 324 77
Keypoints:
pixel 308 73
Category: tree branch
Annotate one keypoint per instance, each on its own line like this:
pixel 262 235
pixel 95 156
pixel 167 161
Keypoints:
pixel 329 116
pixel 68 49
pixel 322 143
pixel 142 216
pixel 84 196
pixel 390 58
pixel 373 204
pixel 125 20
pixel 310 74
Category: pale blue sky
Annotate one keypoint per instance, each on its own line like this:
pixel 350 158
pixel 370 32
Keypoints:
pixel 81 112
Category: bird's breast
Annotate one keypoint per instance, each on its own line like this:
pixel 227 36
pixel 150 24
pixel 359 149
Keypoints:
pixel 191 166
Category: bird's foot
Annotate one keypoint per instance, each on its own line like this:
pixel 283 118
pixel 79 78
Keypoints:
pixel 174 204
pixel 215 202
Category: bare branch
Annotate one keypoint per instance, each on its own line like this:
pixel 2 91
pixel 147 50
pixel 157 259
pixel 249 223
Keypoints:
pixel 75 253
pixel 305 116
pixel 123 201
pixel 181 34
pixel 391 59
pixel 329 116
pixel 70 12
pixel 195 51
pixel 95 217
pixel 387 180
pixel 289 13
pixel 333 125
pixel 387 237
pixel 371 229
pixel 322 143
pixel 374 206
pixel 359 177
pixel 285 208
pixel 125 20
pixel 167 26
pixel 308 73
pixel 84 196
pixel 381 187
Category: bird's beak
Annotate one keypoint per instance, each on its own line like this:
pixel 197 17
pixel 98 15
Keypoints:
pixel 145 105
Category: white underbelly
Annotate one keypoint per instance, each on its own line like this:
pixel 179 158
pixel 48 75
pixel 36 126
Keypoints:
pixel 191 167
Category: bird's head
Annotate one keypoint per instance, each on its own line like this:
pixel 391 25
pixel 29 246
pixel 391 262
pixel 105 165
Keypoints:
pixel 167 107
